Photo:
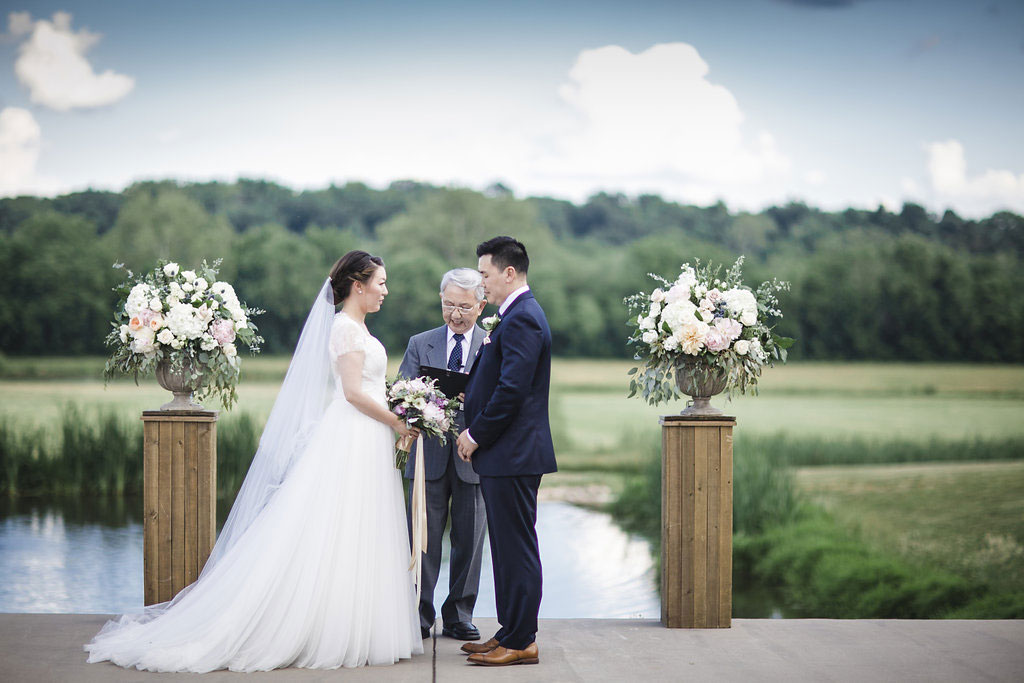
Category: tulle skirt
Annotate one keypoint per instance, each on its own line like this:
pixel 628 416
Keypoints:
pixel 319 580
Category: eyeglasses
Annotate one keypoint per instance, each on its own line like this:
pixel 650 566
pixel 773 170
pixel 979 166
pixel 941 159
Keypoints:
pixel 451 308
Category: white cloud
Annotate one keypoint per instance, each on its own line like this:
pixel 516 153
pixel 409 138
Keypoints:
pixel 19 149
pixel 653 120
pixel 51 63
pixel 991 191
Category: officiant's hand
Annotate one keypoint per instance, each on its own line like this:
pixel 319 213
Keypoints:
pixel 466 446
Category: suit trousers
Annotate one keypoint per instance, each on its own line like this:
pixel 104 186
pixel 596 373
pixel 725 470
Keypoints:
pixel 468 526
pixel 511 504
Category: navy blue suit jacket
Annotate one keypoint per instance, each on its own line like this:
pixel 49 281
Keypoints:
pixel 507 395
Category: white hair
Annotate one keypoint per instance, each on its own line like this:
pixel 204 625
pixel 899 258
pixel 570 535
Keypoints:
pixel 466 278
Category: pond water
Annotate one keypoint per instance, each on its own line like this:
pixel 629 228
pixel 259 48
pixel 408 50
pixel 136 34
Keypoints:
pixel 85 556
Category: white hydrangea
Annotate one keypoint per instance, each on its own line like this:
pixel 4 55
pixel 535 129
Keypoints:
pixel 138 299
pixel 678 313
pixel 742 305
pixel 677 292
pixel 208 343
pixel 671 344
pixel 184 323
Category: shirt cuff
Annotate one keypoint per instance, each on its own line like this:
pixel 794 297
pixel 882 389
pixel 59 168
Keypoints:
pixel 470 437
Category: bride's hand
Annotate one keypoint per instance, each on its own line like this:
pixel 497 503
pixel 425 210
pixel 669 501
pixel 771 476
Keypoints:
pixel 404 430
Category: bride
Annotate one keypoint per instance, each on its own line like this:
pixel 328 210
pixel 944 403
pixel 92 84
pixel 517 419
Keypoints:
pixel 310 569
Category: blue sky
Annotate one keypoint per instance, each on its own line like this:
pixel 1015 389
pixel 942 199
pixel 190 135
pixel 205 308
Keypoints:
pixel 753 102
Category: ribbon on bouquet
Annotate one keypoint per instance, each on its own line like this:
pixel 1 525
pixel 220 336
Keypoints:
pixel 419 517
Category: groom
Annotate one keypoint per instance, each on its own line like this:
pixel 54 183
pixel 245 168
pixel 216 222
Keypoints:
pixel 508 440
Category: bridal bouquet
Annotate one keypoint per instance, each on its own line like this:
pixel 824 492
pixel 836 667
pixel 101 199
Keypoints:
pixel 420 403
pixel 185 320
pixel 705 328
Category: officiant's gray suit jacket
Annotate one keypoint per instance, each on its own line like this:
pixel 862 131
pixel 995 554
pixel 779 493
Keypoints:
pixel 431 348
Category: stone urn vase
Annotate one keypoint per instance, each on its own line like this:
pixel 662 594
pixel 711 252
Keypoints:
pixel 700 382
pixel 179 383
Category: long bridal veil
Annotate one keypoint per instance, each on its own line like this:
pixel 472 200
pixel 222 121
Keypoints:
pixel 298 409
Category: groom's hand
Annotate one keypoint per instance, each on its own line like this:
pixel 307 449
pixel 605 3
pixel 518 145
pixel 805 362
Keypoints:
pixel 466 446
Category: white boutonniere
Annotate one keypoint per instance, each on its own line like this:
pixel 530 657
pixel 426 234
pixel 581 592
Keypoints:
pixel 489 324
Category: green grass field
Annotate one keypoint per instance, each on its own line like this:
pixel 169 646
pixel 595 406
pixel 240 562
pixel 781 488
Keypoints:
pixel 967 518
pixel 816 399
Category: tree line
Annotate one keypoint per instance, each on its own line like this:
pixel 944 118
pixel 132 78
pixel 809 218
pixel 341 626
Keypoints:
pixel 867 284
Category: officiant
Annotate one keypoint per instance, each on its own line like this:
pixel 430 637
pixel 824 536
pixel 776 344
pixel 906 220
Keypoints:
pixel 451 484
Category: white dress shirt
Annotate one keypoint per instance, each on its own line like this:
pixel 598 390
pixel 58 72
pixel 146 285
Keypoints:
pixel 466 344
pixel 512 297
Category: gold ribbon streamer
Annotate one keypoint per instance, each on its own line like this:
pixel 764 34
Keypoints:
pixel 419 517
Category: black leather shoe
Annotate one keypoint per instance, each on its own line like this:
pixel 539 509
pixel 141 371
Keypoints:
pixel 463 630
pixel 425 632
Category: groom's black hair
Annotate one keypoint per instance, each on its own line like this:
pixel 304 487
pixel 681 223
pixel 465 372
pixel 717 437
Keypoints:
pixel 505 252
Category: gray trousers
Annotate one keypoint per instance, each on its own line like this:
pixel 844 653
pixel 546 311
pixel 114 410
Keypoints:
pixel 469 527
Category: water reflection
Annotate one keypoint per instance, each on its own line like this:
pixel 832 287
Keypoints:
pixel 80 555
pixel 85 556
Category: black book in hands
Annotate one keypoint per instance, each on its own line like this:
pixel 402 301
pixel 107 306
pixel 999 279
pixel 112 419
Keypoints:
pixel 450 382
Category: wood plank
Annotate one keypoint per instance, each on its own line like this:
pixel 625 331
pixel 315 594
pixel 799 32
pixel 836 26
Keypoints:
pixel 713 571
pixel 207 476
pixel 687 554
pixel 700 526
pixel 177 506
pixel 150 531
pixel 191 502
pixel 670 501
pixel 725 538
pixel 164 534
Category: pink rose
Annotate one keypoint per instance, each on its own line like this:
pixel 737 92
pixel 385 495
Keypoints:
pixel 715 341
pixel 729 327
pixel 223 331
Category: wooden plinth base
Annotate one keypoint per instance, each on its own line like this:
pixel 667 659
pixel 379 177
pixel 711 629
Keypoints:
pixel 696 521
pixel 179 500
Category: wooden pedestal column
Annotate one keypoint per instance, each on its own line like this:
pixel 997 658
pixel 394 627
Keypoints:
pixel 180 498
pixel 696 521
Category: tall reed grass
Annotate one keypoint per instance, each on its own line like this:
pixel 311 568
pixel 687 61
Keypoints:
pixel 100 453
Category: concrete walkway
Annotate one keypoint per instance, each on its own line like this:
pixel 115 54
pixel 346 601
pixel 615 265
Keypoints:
pixel 48 647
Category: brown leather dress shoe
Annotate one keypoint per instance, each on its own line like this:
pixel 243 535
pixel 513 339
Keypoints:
pixel 480 648
pixel 502 656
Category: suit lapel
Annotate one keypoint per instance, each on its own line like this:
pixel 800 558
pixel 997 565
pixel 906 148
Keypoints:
pixel 437 349
pixel 474 348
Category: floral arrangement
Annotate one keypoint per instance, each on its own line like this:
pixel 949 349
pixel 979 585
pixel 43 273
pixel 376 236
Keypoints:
pixel 186 318
pixel 419 402
pixel 708 324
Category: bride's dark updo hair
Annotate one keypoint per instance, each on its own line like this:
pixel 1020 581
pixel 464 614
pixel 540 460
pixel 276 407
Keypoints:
pixel 353 266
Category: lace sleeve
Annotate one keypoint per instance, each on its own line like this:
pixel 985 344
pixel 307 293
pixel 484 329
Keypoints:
pixel 346 337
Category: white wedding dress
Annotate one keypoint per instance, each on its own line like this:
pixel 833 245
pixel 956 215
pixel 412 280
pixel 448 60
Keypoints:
pixel 320 577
